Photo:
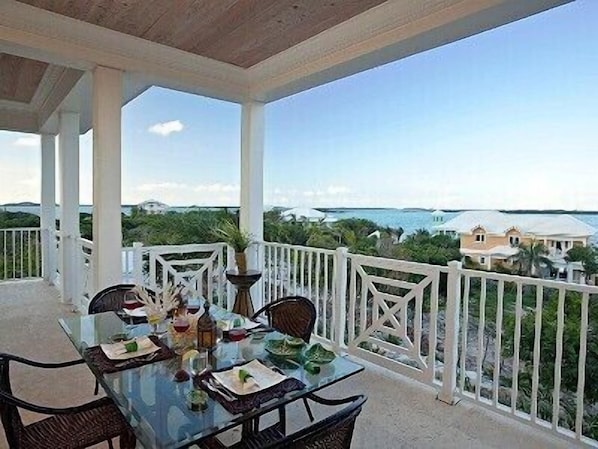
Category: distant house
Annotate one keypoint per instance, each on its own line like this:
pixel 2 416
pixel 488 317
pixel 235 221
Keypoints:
pixel 307 215
pixel 153 207
pixel 492 237
pixel 438 217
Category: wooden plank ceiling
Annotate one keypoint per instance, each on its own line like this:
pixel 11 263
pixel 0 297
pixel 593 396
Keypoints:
pixel 240 32
pixel 20 77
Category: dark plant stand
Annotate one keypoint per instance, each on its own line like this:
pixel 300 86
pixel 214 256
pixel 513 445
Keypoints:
pixel 243 282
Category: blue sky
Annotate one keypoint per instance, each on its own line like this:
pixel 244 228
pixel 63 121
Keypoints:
pixel 504 119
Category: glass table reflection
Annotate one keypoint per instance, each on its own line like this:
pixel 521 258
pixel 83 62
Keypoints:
pixel 156 406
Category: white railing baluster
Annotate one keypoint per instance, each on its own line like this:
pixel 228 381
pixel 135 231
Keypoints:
pixel 517 344
pixel 500 294
pixel 352 302
pixel 309 275
pixel 581 367
pixel 481 330
pixel 536 359
pixel 318 288
pixel 14 255
pixel 5 256
pixel 556 394
pixel 326 297
pixel 22 252
pixel 302 273
pixel 464 332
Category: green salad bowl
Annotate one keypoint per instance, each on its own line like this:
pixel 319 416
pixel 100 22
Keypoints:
pixel 318 354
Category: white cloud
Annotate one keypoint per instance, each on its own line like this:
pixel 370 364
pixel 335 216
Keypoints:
pixel 27 141
pixel 166 128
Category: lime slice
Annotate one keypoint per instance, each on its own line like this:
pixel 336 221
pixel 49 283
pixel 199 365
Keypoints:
pixel 244 375
pixel 131 346
pixel 190 354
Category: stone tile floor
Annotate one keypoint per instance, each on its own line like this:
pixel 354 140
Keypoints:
pixel 400 413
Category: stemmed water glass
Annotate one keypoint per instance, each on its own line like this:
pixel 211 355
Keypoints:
pixel 130 303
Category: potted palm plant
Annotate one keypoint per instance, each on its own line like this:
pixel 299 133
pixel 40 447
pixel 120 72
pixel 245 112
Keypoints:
pixel 239 240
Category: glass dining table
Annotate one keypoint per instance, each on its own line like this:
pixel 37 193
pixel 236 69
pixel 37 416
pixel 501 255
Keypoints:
pixel 156 406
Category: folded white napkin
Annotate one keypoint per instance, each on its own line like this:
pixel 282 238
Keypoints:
pixel 117 351
pixel 139 312
pixel 263 377
pixel 246 323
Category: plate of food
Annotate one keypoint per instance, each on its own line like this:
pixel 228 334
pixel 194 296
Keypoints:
pixel 281 348
pixel 294 341
pixel 319 354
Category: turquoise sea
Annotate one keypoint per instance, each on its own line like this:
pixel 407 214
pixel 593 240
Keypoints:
pixel 409 220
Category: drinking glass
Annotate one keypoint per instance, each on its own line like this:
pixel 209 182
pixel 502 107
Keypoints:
pixel 131 302
pixel 180 338
pixel 193 304
pixel 155 318
pixel 199 363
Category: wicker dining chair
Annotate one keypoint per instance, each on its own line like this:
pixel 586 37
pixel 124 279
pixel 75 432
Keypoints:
pixel 294 316
pixel 110 299
pixel 66 428
pixel 291 315
pixel 333 432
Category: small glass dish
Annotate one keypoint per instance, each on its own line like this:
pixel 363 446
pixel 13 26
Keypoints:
pixel 197 400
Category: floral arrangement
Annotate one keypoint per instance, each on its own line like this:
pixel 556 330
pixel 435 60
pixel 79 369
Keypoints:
pixel 168 300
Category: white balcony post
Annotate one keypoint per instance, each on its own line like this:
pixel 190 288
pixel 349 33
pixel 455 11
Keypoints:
pixel 339 305
pixel 252 183
pixel 138 262
pixel 68 159
pixel 48 207
pixel 451 334
pixel 107 233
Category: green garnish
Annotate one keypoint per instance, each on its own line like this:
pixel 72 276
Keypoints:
pixel 131 346
pixel 244 375
pixel 312 368
pixel 237 322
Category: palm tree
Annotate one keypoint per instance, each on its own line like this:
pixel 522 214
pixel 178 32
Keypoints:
pixel 531 258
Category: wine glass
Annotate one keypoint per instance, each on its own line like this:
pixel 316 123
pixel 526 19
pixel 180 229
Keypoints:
pixel 130 303
pixel 193 304
pixel 154 318
pixel 181 323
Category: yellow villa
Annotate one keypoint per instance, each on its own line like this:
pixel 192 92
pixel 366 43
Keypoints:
pixel 492 237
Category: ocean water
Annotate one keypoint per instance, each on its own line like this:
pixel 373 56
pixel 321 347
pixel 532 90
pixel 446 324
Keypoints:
pixel 409 220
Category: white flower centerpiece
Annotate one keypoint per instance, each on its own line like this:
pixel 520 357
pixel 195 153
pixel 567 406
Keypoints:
pixel 158 305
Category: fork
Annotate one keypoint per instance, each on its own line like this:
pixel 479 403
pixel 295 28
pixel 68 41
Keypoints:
pixel 211 385
pixel 137 359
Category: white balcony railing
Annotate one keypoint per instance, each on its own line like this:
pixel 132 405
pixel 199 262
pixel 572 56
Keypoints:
pixel 20 253
pixel 505 342
pixel 508 343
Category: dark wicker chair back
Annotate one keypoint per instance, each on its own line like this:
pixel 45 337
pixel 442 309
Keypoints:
pixel 70 428
pixel 11 419
pixel 334 432
pixel 110 299
pixel 291 315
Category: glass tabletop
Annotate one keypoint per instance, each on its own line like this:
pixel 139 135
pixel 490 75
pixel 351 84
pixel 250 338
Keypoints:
pixel 156 406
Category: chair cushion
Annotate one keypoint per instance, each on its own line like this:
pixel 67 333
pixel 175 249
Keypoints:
pixel 76 430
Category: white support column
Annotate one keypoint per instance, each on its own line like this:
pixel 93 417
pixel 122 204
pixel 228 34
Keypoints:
pixel 252 169
pixel 451 334
pixel 48 207
pixel 251 217
pixel 68 158
pixel 107 233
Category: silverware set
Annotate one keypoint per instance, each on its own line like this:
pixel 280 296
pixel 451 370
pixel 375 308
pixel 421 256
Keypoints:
pixel 214 386
pixel 146 358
